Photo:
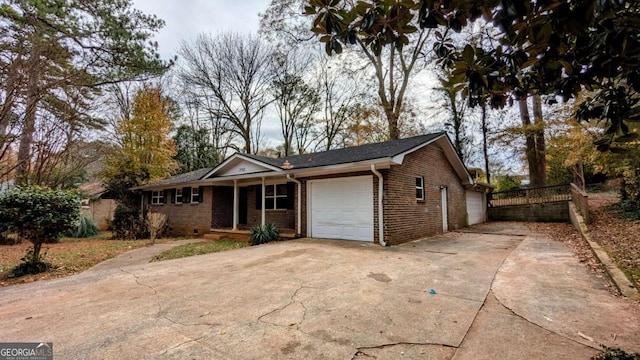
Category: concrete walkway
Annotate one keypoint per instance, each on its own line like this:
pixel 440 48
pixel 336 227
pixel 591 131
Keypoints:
pixel 138 256
pixel 499 293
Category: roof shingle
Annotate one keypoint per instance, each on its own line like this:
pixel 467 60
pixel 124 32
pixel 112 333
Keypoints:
pixel 349 154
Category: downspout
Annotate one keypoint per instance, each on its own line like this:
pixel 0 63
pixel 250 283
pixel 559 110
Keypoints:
pixel 380 205
pixel 299 232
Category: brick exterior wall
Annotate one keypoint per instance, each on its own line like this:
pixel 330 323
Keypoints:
pixel 408 219
pixel 102 212
pixel 284 219
pixel 184 218
pixel 548 212
pixel 222 210
pixel 405 218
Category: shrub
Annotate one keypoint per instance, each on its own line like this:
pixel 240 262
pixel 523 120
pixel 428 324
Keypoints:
pixel 38 215
pixel 156 223
pixel 31 264
pixel 127 223
pixel 86 227
pixel 615 354
pixel 264 234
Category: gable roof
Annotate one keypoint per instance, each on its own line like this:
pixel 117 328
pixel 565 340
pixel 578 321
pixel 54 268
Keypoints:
pixel 188 177
pixel 393 151
pixel 352 154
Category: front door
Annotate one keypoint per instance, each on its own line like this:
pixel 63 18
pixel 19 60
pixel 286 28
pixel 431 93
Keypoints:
pixel 243 207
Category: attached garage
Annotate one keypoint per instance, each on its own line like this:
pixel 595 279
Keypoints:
pixel 476 209
pixel 341 208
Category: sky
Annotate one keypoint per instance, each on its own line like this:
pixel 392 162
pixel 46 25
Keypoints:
pixel 185 19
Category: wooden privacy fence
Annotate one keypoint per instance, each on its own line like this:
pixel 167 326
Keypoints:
pixel 539 195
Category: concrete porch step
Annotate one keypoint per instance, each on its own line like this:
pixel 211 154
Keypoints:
pixel 238 235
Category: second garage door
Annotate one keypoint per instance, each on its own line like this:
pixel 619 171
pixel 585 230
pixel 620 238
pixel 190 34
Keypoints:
pixel 341 208
pixel 475 207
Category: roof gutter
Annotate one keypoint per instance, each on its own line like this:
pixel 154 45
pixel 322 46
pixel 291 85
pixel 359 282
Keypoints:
pixel 380 205
pixel 299 232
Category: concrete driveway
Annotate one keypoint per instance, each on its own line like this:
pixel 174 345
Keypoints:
pixel 499 293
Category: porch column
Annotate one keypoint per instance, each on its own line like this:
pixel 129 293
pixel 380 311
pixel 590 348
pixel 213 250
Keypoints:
pixel 264 205
pixel 235 204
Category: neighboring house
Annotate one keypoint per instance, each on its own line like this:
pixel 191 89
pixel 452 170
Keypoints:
pixel 387 193
pixel 97 203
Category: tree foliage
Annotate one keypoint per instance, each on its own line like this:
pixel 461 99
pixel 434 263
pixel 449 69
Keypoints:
pixel 194 149
pixel 233 73
pixel 555 48
pixel 56 55
pixel 144 154
pixel 145 146
pixel 39 215
pixel 295 99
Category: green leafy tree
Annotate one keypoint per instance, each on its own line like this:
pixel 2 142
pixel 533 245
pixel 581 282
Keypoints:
pixel 58 54
pixel 370 26
pixel 553 48
pixel 39 215
pixel 145 154
pixel 193 148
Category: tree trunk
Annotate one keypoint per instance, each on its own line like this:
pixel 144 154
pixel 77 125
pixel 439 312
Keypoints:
pixel 485 151
pixel 32 99
pixel 540 144
pixel 530 142
pixel 37 245
pixel 392 119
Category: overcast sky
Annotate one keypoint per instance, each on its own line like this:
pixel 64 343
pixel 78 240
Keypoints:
pixel 185 19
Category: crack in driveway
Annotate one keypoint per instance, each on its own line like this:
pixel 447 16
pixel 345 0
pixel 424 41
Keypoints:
pixel 159 313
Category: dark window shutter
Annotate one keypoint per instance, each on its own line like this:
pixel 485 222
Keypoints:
pixel 259 197
pixel 201 194
pixel 165 195
pixel 186 195
pixel 172 195
pixel 291 195
pixel 148 195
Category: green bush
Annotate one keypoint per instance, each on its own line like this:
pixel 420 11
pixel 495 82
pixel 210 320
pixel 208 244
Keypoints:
pixel 31 264
pixel 38 215
pixel 86 227
pixel 127 224
pixel 264 234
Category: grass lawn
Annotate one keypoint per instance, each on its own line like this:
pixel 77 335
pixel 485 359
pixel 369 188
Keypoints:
pixel 199 248
pixel 69 256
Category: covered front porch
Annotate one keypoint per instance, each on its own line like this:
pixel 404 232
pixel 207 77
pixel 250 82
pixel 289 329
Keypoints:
pixel 241 204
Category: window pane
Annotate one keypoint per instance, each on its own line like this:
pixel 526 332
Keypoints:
pixel 419 182
pixel 282 202
pixel 281 189
pixel 269 203
pixel 194 191
pixel 269 190
pixel 419 194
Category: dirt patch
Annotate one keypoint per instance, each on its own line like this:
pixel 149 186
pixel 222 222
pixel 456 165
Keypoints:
pixel 69 256
pixel 617 236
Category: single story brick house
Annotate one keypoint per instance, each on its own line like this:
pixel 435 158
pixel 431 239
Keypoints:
pixel 387 193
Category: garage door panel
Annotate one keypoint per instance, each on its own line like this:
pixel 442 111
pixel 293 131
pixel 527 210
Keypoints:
pixel 342 208
pixel 475 207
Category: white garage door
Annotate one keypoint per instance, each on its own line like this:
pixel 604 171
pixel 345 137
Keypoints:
pixel 475 207
pixel 342 208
